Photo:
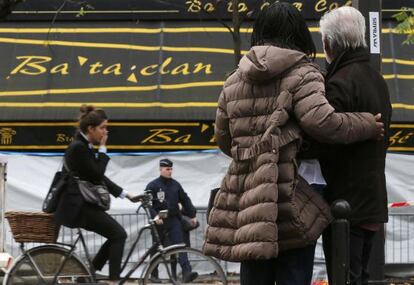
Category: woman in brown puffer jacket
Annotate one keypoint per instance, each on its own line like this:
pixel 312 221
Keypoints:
pixel 267 105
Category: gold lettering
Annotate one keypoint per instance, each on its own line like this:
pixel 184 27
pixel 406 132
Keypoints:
pixel 63 138
pixel 320 6
pixel 145 71
pixel 61 68
pixel 164 65
pixel 33 64
pixel 243 7
pixel 333 6
pixel 60 138
pixel 183 139
pixel 200 66
pixel 400 138
pixel 94 68
pixel 115 69
pixel 209 7
pixel 264 5
pixel 230 6
pixel 298 5
pixel 213 139
pixel 405 138
pixel 160 136
pixel 194 6
pixel 183 68
pixel 393 139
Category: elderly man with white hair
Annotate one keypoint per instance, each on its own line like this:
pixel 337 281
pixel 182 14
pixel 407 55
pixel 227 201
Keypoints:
pixel 355 172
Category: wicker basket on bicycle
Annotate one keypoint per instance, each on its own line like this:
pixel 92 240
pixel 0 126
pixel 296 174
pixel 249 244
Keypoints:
pixel 32 226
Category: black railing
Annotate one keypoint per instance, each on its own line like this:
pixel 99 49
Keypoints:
pixel 399 246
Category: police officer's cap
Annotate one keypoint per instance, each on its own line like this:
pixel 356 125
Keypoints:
pixel 165 162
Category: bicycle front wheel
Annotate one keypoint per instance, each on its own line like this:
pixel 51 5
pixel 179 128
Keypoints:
pixel 39 266
pixel 184 265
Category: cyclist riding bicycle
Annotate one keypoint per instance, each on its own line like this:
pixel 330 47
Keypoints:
pixel 73 209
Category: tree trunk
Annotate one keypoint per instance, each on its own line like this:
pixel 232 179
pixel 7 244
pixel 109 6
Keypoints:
pixel 236 19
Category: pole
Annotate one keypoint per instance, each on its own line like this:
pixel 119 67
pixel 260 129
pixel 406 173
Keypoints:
pixel 340 242
pixel 371 10
pixel 3 178
pixel 5 258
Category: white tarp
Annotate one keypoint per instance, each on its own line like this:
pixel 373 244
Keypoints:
pixel 29 178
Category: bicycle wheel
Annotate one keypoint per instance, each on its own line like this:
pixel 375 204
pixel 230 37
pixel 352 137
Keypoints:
pixel 39 265
pixel 167 268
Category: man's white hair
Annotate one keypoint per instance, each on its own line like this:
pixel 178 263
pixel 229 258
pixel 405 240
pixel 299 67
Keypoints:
pixel 343 28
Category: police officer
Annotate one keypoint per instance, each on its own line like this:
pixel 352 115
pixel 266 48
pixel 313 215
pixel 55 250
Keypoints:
pixel 169 194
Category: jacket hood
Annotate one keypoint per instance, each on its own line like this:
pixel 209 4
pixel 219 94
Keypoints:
pixel 262 63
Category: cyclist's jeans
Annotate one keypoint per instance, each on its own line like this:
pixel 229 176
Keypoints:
pixel 103 224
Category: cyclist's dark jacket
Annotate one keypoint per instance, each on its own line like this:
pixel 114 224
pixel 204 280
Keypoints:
pixel 174 194
pixel 89 166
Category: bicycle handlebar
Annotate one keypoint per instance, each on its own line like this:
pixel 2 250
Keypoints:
pixel 146 202
pixel 145 197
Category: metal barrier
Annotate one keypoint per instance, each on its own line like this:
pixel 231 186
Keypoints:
pixel 132 223
pixel 399 240
pixel 398 248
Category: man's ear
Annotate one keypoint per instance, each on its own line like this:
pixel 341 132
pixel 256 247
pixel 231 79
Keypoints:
pixel 328 50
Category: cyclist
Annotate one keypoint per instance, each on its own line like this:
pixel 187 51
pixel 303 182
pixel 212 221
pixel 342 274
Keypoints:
pixel 73 211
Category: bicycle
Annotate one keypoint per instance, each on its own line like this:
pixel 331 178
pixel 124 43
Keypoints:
pixel 57 263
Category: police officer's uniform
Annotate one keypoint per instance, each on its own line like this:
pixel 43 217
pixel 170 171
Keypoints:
pixel 167 193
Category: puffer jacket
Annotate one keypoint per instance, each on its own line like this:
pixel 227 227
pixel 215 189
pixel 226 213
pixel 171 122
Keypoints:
pixel 264 109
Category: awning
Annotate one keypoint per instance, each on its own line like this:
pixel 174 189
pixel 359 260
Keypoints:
pixel 147 72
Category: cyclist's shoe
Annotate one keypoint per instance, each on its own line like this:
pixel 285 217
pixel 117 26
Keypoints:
pixel 99 276
pixel 155 279
pixel 189 276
